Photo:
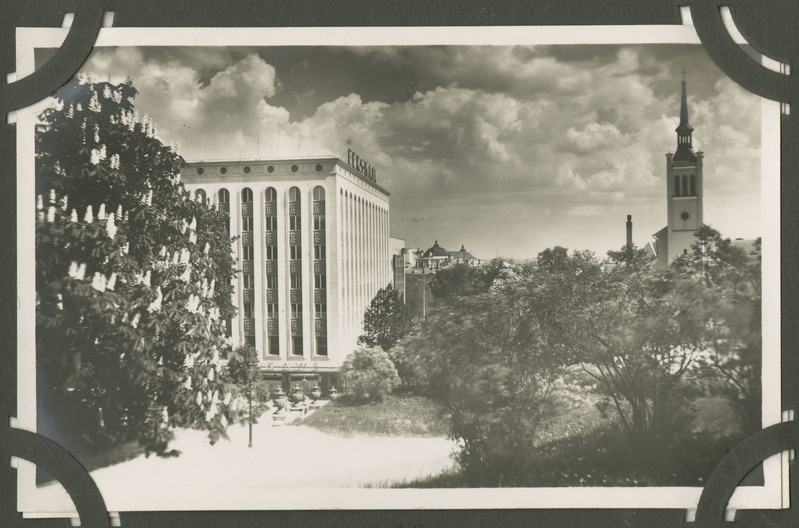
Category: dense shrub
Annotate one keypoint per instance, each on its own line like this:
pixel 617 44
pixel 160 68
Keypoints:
pixel 368 374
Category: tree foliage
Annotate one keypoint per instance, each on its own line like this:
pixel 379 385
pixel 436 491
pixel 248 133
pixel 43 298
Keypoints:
pixel 133 277
pixel 483 357
pixel 729 281
pixel 386 320
pixel 368 374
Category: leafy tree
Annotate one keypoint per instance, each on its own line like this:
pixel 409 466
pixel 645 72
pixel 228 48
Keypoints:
pixel 240 364
pixel 368 374
pixel 132 277
pixel 460 280
pixel 637 332
pixel 386 321
pixel 729 281
pixel 483 357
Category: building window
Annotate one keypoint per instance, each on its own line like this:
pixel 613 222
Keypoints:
pixel 271 223
pixel 249 281
pixel 319 281
pixel 271 252
pixel 271 310
pixel 296 343
pixel 271 194
pixel 296 281
pixel 319 194
pixel 274 346
pixel 200 196
pixel 676 186
pixel 247 253
pixel 246 195
pixel 224 200
pixel 693 185
pixel 271 281
pixel 296 310
pixel 321 346
pixel 684 185
pixel 319 252
pixel 247 310
pixel 294 194
pixel 294 223
pixel 246 223
pixel 319 222
pixel 295 253
pixel 320 310
pixel 250 340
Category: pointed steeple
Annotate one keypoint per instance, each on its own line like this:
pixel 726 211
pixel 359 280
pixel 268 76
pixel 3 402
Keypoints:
pixel 684 131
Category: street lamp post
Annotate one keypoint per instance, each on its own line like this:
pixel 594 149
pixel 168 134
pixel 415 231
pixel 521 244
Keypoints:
pixel 252 368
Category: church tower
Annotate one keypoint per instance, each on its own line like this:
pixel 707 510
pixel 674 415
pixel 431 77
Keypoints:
pixel 684 191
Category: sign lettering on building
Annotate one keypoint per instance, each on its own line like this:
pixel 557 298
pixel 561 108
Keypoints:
pixel 360 164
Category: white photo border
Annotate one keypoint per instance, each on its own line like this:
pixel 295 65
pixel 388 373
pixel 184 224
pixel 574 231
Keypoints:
pixel 772 495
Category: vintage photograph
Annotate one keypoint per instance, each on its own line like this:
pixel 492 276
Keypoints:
pixel 276 269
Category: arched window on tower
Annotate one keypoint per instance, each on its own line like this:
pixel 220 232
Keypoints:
pixel 684 185
pixel 693 185
pixel 676 186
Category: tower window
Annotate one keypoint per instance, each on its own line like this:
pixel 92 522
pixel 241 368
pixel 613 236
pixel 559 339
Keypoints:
pixel 684 185
pixel 676 186
pixel 693 185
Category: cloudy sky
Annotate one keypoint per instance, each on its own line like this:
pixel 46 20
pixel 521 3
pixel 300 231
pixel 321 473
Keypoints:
pixel 507 150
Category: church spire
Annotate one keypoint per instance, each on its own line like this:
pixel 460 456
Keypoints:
pixel 684 131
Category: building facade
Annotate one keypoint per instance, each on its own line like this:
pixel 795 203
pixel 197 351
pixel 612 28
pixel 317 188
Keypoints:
pixel 313 250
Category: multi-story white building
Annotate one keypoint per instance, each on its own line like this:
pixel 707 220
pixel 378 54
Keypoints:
pixel 313 249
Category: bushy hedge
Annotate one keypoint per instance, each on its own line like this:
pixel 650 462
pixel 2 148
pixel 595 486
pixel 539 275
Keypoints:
pixel 368 375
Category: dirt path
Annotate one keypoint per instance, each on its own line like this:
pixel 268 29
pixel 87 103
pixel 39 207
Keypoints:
pixel 284 463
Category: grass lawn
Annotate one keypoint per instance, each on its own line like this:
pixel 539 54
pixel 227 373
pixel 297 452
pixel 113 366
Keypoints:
pixel 397 415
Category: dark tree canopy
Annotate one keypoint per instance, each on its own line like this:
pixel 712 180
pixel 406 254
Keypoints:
pixel 133 278
pixel 386 321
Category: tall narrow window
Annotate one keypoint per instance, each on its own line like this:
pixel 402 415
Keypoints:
pixel 684 185
pixel 223 199
pixel 320 272
pixel 270 255
pixel 201 196
pixel 295 269
pixel 693 185
pixel 676 186
pixel 247 251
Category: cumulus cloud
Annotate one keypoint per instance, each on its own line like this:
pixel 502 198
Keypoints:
pixel 524 136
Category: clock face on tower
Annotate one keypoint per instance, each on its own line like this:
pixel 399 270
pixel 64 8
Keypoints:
pixel 685 215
